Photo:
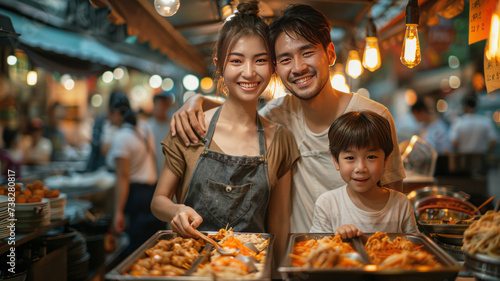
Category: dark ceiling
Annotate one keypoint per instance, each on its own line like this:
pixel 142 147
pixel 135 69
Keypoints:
pixel 187 38
pixel 199 20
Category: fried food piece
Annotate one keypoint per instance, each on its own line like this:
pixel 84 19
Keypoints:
pixel 35 199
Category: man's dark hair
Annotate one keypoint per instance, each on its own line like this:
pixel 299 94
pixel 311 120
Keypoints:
pixel 303 21
pixel 9 136
pixel 469 101
pixel 419 106
pixel 360 129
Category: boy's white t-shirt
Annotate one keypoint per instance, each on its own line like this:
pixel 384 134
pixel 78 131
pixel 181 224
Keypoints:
pixel 335 208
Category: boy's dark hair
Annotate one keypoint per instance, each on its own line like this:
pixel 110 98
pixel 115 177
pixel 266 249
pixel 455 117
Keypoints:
pixel 419 106
pixel 360 129
pixel 246 22
pixel 304 21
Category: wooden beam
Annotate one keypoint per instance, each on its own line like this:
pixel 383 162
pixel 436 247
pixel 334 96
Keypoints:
pixel 143 20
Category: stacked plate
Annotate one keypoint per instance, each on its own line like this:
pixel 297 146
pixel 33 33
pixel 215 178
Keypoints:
pixel 57 206
pixel 4 216
pixel 31 216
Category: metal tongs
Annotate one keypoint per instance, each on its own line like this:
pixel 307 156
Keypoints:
pixel 360 248
pixel 217 246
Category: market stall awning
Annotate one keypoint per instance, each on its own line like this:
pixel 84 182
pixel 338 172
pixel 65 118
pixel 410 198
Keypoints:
pixel 38 35
pixel 144 22
pixel 71 52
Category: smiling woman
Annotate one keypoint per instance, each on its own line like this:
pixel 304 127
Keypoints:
pixel 239 176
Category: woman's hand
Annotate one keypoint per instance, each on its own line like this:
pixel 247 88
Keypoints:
pixel 348 231
pixel 119 222
pixel 185 219
pixel 190 116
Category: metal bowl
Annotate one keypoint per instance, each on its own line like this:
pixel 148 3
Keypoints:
pixel 483 267
pixel 435 191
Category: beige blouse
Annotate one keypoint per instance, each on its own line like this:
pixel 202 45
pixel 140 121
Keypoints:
pixel 281 156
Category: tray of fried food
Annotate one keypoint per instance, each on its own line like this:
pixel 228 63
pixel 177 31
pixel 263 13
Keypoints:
pixel 165 256
pixel 251 259
pixel 402 256
pixel 320 256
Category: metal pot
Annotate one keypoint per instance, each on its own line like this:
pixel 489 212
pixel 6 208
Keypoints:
pixel 435 191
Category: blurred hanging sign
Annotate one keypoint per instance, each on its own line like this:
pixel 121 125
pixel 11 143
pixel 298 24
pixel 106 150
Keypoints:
pixel 479 19
pixel 491 74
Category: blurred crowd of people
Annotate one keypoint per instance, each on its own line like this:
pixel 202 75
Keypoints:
pixel 40 141
pixel 471 133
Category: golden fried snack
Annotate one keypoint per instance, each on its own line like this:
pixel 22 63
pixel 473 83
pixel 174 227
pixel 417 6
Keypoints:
pixel 326 252
pixel 34 199
pixel 20 199
pixel 167 258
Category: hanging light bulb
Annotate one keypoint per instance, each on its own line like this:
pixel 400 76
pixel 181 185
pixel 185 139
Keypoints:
pixel 371 55
pixel 493 45
pixel 338 80
pixel 167 8
pixel 31 78
pixel 410 53
pixel 353 66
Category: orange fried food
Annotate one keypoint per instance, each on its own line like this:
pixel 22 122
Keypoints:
pixel 397 253
pixel 34 199
pixel 326 252
pixel 27 193
pixel 38 192
pixel 20 199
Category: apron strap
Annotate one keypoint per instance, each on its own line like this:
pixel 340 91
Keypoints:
pixel 262 139
pixel 260 133
pixel 211 128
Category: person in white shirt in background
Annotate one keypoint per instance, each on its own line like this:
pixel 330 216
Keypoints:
pixel 360 143
pixel 473 133
pixel 131 156
pixel 159 124
pixel 39 149
pixel 434 130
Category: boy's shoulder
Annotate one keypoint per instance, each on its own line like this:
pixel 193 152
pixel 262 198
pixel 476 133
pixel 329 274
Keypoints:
pixel 399 196
pixel 331 194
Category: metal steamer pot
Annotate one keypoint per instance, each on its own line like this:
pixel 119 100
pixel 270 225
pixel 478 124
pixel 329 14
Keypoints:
pixel 417 197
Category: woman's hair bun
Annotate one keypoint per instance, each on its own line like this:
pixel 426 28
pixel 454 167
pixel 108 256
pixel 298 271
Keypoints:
pixel 248 8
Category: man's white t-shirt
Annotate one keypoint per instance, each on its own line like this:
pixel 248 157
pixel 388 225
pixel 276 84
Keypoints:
pixel 314 172
pixel 335 208
pixel 436 135
pixel 129 143
pixel 473 133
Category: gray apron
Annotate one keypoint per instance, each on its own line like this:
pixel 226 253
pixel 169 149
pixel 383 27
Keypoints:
pixel 230 190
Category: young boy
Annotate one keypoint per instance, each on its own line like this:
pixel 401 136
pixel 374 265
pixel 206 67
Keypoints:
pixel 360 143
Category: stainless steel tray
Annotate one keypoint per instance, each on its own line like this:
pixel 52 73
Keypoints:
pixel 449 270
pixel 289 272
pixel 118 272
